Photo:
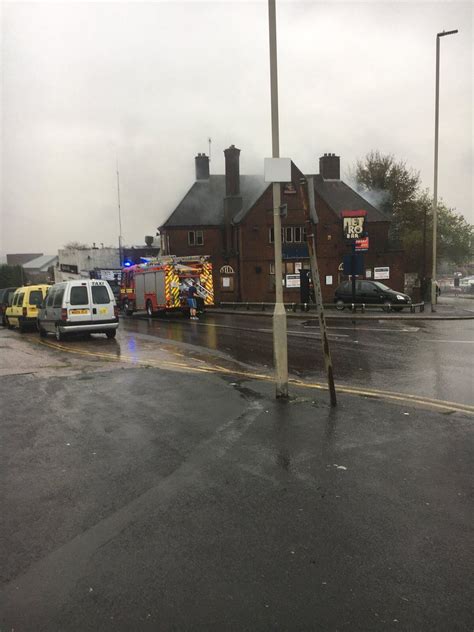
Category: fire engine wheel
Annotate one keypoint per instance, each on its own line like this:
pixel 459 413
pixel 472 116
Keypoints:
pixel 149 309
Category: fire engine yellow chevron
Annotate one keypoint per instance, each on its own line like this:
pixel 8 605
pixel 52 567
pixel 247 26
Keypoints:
pixel 207 283
pixel 156 285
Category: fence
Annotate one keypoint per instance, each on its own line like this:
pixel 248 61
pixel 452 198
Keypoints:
pixel 308 307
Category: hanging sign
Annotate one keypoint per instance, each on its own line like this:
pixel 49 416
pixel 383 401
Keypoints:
pixel 362 245
pixel 353 224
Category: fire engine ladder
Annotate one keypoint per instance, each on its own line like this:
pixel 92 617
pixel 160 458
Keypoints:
pixel 200 288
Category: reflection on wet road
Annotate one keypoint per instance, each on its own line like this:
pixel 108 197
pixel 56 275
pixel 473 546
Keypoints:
pixel 416 358
pixel 432 359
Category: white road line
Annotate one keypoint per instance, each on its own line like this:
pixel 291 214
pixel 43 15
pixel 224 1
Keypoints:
pixel 464 342
pixel 269 331
pixel 410 330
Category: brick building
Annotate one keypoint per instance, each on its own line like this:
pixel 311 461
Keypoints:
pixel 230 218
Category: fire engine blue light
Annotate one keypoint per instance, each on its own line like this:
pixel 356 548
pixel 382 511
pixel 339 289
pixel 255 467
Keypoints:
pixel 127 263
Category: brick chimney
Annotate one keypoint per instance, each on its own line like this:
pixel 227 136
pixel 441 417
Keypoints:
pixel 232 171
pixel 329 167
pixel 202 167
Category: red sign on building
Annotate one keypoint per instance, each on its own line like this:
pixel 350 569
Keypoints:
pixel 362 245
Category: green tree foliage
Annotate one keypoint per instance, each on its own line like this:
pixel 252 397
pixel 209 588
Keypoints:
pixel 396 184
pixel 395 188
pixel 12 276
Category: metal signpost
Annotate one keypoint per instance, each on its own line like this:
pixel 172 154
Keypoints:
pixel 435 185
pixel 311 241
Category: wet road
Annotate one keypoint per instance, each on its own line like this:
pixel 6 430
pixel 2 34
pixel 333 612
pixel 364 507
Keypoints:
pixel 145 488
pixel 429 358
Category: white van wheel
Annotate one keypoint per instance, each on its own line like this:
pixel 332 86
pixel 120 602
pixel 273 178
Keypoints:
pixel 111 333
pixel 149 309
pixel 59 335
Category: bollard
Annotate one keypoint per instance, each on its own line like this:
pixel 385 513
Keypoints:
pixel 363 308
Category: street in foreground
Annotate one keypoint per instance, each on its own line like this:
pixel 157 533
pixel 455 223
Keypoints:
pixel 175 498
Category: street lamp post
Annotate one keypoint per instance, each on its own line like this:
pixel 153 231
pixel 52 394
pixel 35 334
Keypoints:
pixel 280 352
pixel 435 185
pixel 119 218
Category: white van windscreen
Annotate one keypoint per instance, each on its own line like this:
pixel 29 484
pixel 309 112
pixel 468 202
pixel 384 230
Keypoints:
pixel 100 296
pixel 79 295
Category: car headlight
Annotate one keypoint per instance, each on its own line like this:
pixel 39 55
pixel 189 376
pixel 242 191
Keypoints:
pixel 400 297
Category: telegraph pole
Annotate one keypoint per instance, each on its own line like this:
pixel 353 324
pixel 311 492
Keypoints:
pixel 280 350
pixel 311 241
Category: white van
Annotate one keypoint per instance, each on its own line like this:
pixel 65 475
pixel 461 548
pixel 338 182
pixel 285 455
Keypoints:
pixel 79 307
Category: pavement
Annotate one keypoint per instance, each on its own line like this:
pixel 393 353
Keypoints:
pixel 148 499
pixel 448 308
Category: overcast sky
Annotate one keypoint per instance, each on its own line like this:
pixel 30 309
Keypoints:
pixel 149 83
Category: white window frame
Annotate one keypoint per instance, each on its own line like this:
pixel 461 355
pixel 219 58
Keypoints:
pixel 195 238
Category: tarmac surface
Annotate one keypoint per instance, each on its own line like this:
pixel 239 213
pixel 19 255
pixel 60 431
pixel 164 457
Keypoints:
pixel 140 498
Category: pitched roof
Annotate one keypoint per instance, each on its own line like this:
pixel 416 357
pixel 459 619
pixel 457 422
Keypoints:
pixel 340 197
pixel 203 204
pixel 41 263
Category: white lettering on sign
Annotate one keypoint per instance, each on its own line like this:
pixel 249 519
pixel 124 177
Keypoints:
pixel 353 227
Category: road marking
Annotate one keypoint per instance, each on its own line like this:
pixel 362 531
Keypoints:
pixel 352 390
pixel 382 329
pixel 265 331
pixel 464 342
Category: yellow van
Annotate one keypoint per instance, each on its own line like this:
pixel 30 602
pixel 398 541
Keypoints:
pixel 23 309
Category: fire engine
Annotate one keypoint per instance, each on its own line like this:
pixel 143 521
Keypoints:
pixel 160 284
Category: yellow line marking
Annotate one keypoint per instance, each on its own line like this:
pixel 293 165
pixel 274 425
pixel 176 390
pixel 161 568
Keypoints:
pixel 391 395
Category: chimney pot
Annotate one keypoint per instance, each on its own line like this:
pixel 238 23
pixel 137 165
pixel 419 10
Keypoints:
pixel 329 167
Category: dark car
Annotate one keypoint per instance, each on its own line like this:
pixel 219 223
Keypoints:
pixel 370 293
pixel 6 295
